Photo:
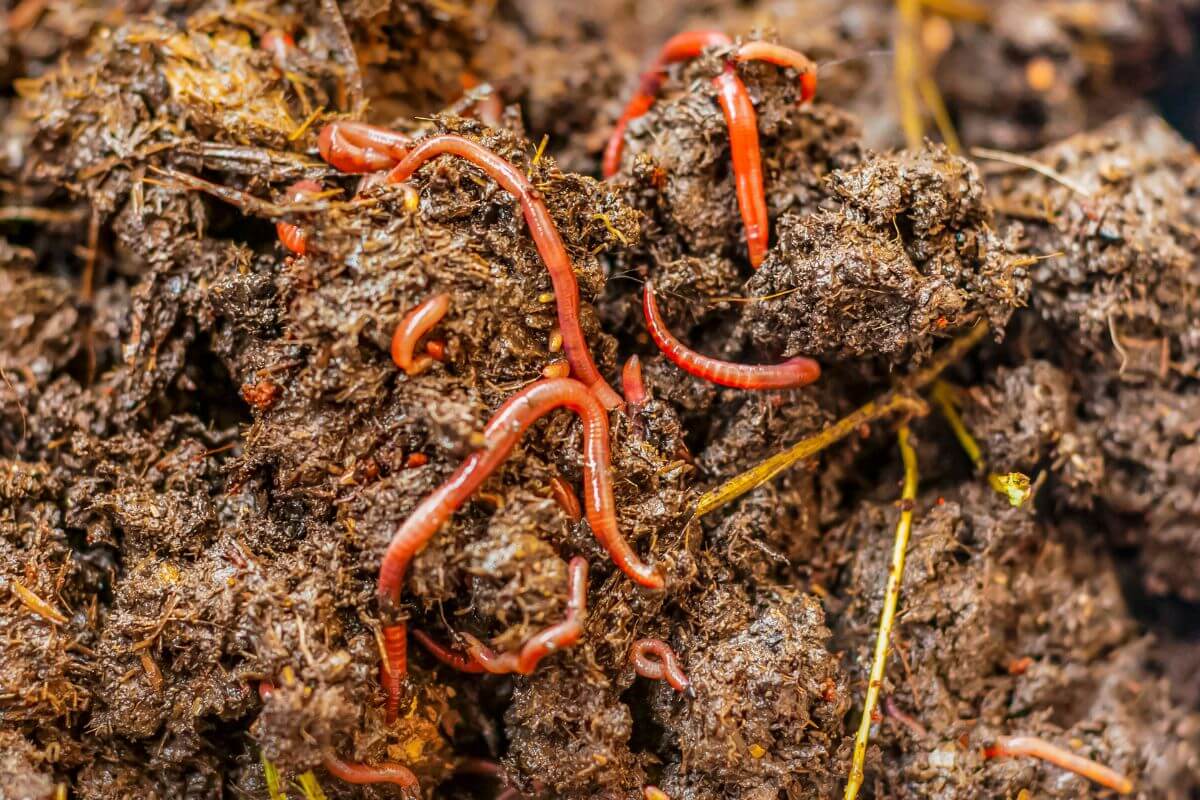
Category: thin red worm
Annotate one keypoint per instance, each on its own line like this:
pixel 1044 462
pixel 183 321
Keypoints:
pixel 632 385
pixel 279 44
pixel 1039 748
pixel 502 433
pixel 293 237
pixel 782 56
pixel 351 772
pixel 545 235
pixel 565 496
pixel 358 147
pixel 481 658
pixel 654 659
pixel 687 45
pixel 790 374
pixel 550 640
pixel 742 121
pixel 680 47
pixel 417 323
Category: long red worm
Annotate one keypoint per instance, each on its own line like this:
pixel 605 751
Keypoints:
pixel 358 147
pixel 293 237
pixel 632 383
pixel 351 772
pixel 790 374
pixel 742 121
pixel 565 496
pixel 1039 748
pixel 654 659
pixel 739 116
pixel 502 433
pixel 680 47
pixel 545 235
pixel 481 658
pixel 416 323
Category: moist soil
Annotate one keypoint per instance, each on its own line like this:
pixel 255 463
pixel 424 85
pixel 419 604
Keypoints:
pixel 205 447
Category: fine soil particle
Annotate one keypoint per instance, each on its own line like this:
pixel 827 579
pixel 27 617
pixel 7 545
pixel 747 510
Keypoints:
pixel 205 447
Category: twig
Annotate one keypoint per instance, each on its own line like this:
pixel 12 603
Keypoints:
pixel 1013 485
pixel 887 617
pixel 353 71
pixel 899 399
pixel 37 214
pixel 1028 163
pixel 908 20
pixel 271 776
pixel 965 10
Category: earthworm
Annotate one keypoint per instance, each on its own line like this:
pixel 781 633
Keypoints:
pixel 556 637
pixel 790 374
pixel 358 147
pixel 782 56
pixel 680 47
pixel 654 659
pixel 445 654
pixel 293 237
pixel 739 116
pixel 631 382
pixel 278 43
pixel 545 235
pixel 417 323
pixel 385 772
pixel 1039 748
pixel 500 436
pixel 550 640
pixel 742 121
pixel 565 496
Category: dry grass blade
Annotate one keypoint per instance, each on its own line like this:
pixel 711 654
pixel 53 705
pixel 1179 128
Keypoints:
pixel 37 605
pixel 900 399
pixel 887 616
pixel 1015 160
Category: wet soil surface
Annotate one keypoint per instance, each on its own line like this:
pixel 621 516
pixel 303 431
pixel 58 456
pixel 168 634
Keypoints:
pixel 205 445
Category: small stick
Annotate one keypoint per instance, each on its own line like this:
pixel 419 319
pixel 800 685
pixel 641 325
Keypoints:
pixel 1039 748
pixel 896 400
pixel 887 617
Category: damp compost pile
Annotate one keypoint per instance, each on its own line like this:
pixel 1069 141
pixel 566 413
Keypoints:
pixel 219 420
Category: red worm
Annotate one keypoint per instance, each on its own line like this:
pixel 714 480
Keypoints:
pixel 654 659
pixel 681 47
pixel 782 56
pixel 386 772
pixel 502 433
pixel 417 323
pixel 632 384
pixel 481 658
pixel 742 121
pixel 545 235
pixel 358 147
pixel 293 237
pixel 445 654
pixel 279 44
pixel 790 374
pixel 1039 748
pixel 564 495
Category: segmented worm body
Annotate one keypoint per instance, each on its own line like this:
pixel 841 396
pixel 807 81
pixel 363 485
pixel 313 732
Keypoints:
pixel 790 374
pixel 293 237
pixel 1040 748
pixel 500 436
pixel 417 323
pixel 654 659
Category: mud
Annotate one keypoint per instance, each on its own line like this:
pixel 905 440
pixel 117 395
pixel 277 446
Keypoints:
pixel 205 447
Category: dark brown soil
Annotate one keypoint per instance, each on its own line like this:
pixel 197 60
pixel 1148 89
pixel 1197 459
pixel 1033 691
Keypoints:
pixel 205 447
